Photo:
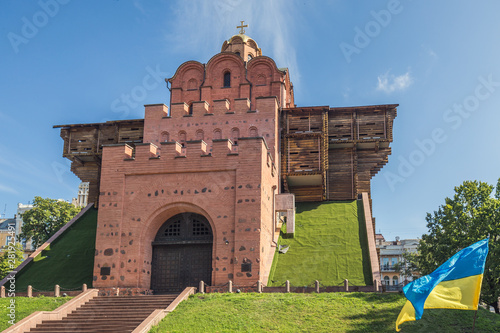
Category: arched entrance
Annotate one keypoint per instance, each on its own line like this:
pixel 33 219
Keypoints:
pixel 182 253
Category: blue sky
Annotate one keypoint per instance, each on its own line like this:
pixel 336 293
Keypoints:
pixel 66 62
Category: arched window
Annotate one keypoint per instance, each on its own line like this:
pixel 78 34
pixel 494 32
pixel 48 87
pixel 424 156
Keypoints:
pixel 165 136
pixel 199 135
pixel 261 80
pixel 182 137
pixel 217 134
pixel 192 84
pixel 253 132
pixel 238 54
pixel 235 134
pixel 249 57
pixel 227 79
pixel 386 280
pixel 394 280
pixel 191 108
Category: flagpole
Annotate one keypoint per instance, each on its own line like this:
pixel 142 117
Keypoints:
pixel 475 313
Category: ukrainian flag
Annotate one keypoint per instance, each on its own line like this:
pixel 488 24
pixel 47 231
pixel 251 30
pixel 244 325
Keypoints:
pixel 456 284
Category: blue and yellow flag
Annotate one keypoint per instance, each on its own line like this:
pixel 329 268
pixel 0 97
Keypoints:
pixel 456 284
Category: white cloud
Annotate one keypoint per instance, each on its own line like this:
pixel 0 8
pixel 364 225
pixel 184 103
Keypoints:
pixel 390 83
pixel 7 189
pixel 139 6
pixel 268 26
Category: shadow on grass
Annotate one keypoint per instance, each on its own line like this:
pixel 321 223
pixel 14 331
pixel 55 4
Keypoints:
pixel 379 316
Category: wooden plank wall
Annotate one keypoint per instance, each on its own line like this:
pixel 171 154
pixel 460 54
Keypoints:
pixel 341 174
pixel 307 193
pixel 306 122
pixel 303 154
pixel 340 126
pixel 371 125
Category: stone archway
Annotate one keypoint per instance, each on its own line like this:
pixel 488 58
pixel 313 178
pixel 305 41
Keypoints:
pixel 182 253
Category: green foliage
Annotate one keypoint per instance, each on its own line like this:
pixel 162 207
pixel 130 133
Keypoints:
pixel 24 306
pixel 471 215
pixel 408 266
pixel 11 258
pixel 45 218
pixel 325 312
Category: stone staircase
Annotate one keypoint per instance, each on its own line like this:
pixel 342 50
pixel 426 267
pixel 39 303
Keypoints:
pixel 118 314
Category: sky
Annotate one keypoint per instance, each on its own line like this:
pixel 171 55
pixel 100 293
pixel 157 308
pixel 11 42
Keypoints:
pixel 74 61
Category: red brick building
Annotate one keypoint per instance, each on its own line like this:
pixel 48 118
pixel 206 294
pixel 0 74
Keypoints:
pixel 191 192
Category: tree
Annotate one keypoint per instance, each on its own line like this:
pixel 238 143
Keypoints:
pixel 471 215
pixel 408 266
pixel 45 218
pixel 11 258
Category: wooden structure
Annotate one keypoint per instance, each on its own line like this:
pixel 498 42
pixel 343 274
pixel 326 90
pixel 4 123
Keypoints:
pixel 332 153
pixel 326 153
pixel 83 147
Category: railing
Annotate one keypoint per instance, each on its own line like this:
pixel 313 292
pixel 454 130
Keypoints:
pixel 398 288
pixel 315 286
pixel 388 268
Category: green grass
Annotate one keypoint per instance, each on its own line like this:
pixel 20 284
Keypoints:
pixel 330 245
pixel 332 312
pixel 68 262
pixel 25 306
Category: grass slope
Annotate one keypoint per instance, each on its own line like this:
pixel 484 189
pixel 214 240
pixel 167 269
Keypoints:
pixel 330 245
pixel 25 306
pixel 327 312
pixel 67 262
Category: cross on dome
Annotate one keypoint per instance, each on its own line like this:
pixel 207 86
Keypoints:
pixel 242 31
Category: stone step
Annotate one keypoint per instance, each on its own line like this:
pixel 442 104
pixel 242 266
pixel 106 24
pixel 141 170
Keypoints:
pixel 124 306
pixel 108 314
pixel 84 330
pixel 120 316
pixel 112 319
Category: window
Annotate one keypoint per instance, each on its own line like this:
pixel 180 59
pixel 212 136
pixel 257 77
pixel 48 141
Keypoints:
pixel 385 263
pixel 253 132
pixel 394 261
pixel 217 134
pixel 200 135
pixel 227 79
pixel 235 134
pixel 192 84
pixel 182 137
pixel 386 280
pixel 250 57
pixel 394 280
pixel 238 54
pixel 190 108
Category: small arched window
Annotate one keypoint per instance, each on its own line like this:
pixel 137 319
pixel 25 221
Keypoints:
pixel 192 84
pixel 200 135
pixel 394 280
pixel 249 57
pixel 238 54
pixel 182 137
pixel 235 134
pixel 165 136
pixel 253 132
pixel 191 108
pixel 386 280
pixel 227 79
pixel 217 134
